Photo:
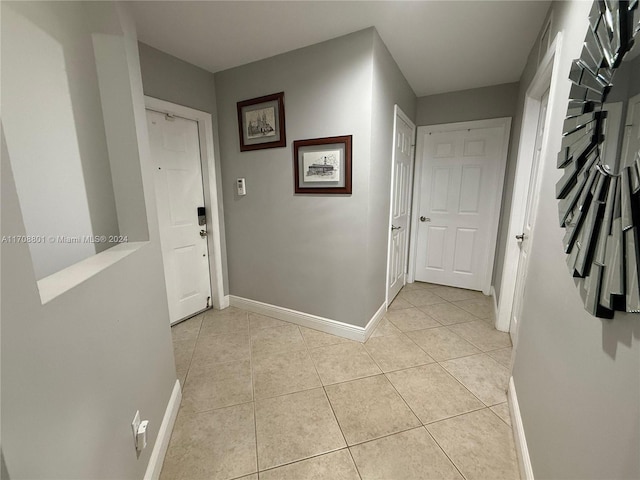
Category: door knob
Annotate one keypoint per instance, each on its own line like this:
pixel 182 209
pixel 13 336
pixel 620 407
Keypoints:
pixel 395 228
pixel 425 219
pixel 521 237
pixel 203 233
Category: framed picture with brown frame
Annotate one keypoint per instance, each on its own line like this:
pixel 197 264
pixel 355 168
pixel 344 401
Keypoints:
pixel 261 123
pixel 322 165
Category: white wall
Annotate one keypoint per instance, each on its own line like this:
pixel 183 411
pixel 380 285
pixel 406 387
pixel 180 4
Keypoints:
pixel 577 377
pixel 55 131
pixel 75 370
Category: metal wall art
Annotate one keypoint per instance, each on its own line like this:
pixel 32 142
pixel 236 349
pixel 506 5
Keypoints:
pixel 599 203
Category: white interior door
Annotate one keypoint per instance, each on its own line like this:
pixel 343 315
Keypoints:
pixel 175 149
pixel 401 180
pixel 460 185
pixel 525 238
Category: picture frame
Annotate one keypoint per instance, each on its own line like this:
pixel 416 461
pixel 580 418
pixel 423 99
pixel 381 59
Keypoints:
pixel 261 122
pixel 322 165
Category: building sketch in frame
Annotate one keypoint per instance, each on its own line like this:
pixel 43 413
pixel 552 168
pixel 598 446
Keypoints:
pixel 323 166
pixel 261 123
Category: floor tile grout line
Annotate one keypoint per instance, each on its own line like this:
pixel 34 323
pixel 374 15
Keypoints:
pixel 253 395
pixel 473 410
pixel 460 381
pixel 404 430
pixel 293 462
pixel 445 453
pixel 193 352
pixel 387 435
pixel 403 399
pixel 335 417
pixel 354 463
pixel 503 420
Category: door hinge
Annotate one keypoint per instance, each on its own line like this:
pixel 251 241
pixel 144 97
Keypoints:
pixel 208 302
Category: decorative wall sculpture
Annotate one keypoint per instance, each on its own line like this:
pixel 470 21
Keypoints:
pixel 599 200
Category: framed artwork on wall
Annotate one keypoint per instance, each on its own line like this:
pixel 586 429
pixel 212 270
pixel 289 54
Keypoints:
pixel 322 165
pixel 261 123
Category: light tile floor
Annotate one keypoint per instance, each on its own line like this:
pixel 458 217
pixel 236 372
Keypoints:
pixel 423 398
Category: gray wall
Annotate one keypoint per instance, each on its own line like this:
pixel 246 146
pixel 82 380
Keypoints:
pixel 75 369
pixel 169 78
pixel 577 377
pixel 389 88
pixel 310 253
pixel 468 105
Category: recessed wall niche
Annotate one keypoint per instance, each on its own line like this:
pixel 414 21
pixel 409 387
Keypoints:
pixel 70 133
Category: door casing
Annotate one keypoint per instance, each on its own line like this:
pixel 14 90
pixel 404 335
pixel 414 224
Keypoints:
pixel 398 113
pixel 213 204
pixel 542 81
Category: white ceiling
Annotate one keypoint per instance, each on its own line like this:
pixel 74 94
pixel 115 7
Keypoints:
pixel 440 46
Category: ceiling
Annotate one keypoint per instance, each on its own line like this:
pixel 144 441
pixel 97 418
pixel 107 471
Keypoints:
pixel 440 46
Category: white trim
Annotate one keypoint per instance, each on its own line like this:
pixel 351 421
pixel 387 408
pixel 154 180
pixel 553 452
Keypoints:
pixel 492 292
pixel 327 325
pixel 224 303
pixel 215 217
pixel 397 112
pixel 505 123
pixel 154 467
pixel 539 85
pixel 64 280
pixel 524 461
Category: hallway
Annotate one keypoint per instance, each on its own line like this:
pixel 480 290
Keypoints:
pixel 423 398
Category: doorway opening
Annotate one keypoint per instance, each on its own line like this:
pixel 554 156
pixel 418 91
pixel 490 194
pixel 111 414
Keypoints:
pixel 459 175
pixel 189 213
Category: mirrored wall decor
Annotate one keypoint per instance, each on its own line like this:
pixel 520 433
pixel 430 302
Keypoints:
pixel 599 192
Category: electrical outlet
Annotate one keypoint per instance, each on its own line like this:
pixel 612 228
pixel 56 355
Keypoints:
pixel 135 425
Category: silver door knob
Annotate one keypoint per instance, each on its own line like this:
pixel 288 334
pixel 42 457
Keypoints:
pixel 203 233
pixel 395 228
pixel 521 237
pixel 425 219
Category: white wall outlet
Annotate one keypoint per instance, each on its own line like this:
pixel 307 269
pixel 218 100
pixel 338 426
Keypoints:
pixel 139 429
pixel 141 437
pixel 135 425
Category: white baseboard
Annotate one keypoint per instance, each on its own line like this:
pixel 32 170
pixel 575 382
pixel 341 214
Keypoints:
pixel 524 461
pixel 224 302
pixel 327 325
pixel 496 311
pixel 164 434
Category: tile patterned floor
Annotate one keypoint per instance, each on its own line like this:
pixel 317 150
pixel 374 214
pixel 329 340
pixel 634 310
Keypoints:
pixel 423 398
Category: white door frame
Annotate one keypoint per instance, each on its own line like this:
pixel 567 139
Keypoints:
pixel 495 215
pixel 542 81
pixel 213 209
pixel 397 112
